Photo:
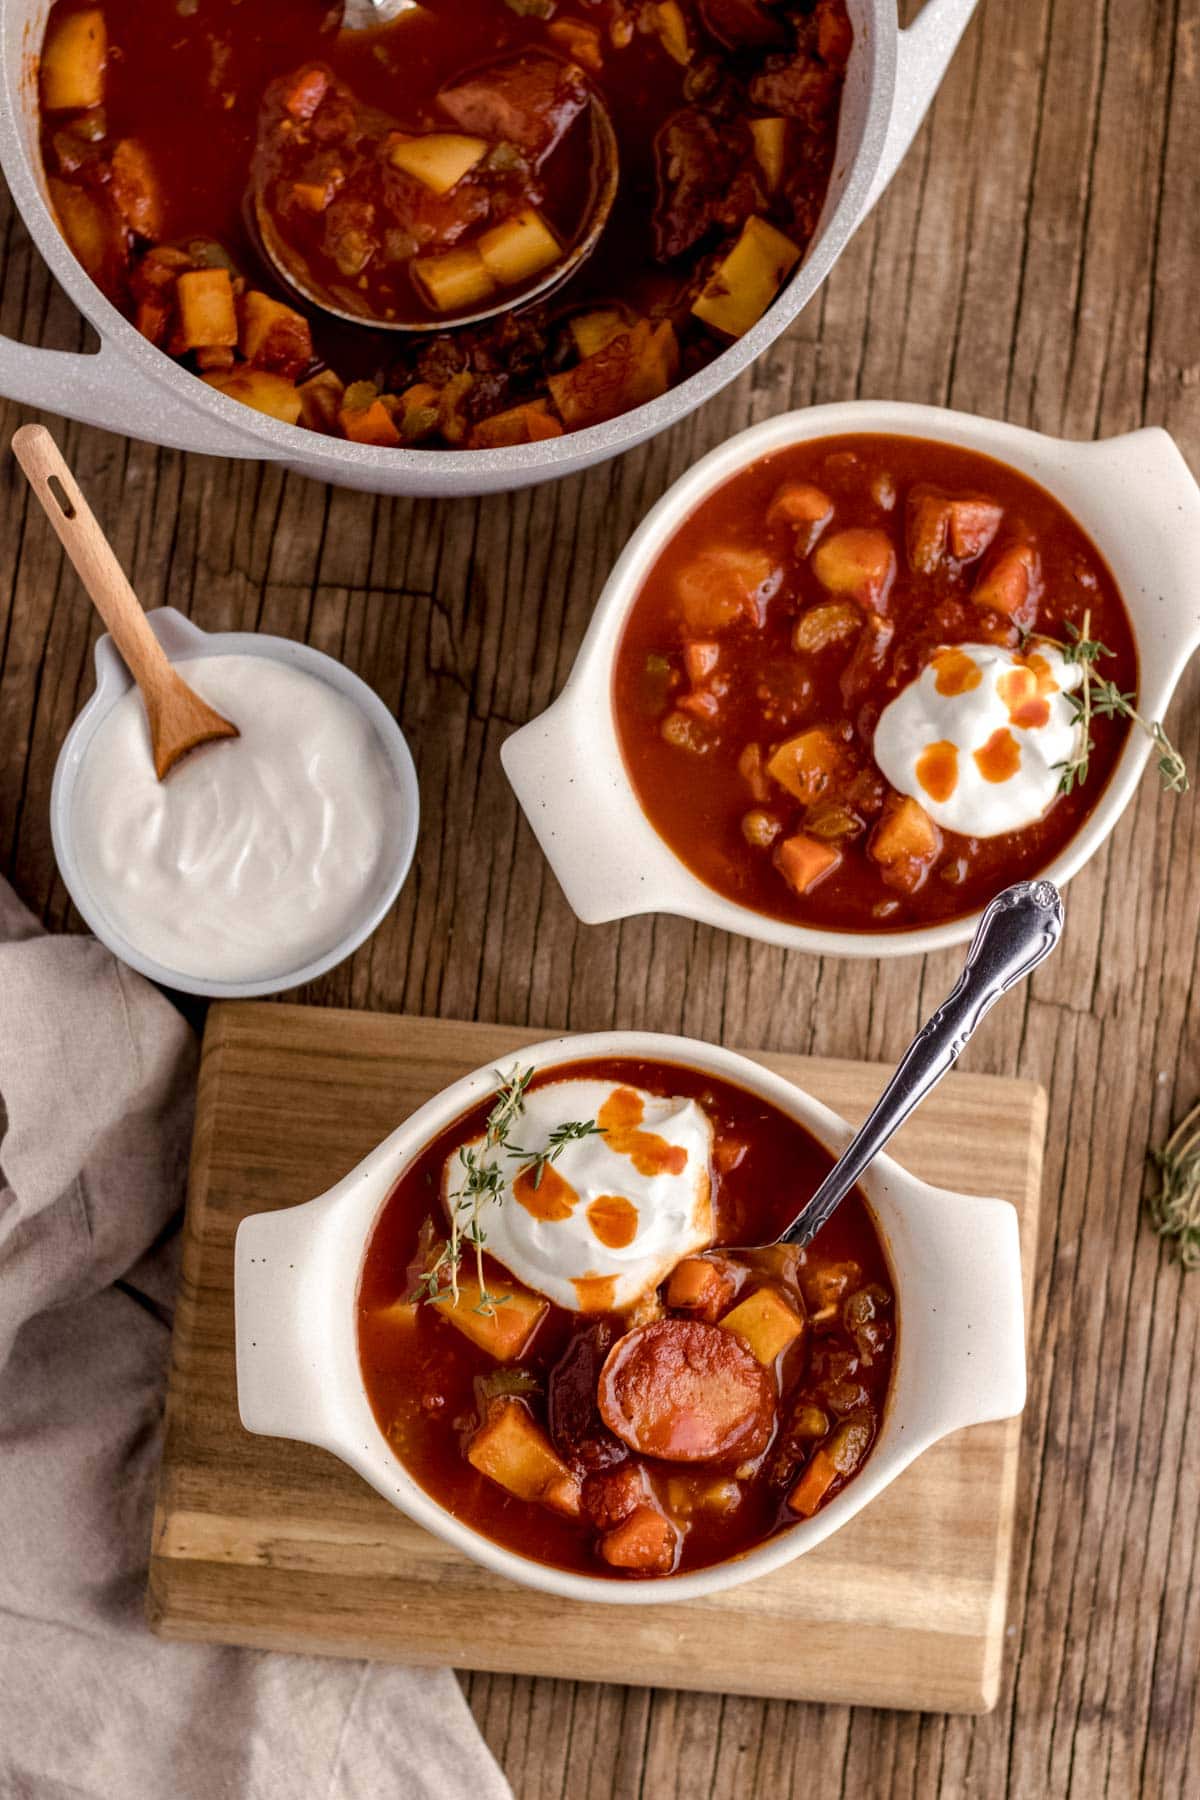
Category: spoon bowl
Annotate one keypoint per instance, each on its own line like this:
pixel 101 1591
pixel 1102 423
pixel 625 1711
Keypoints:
pixel 292 268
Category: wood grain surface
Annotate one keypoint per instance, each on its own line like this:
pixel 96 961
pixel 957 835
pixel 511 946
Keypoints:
pixel 1037 259
pixel 265 1542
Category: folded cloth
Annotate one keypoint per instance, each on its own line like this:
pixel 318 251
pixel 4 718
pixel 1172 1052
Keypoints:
pixel 97 1074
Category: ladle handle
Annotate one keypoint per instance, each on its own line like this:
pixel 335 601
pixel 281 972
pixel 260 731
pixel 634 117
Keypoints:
pixel 79 533
pixel 1018 930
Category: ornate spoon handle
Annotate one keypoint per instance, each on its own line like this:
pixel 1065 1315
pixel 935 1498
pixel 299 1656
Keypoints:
pixel 1018 930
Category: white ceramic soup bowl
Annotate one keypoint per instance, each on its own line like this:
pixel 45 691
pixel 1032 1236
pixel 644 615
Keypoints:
pixel 131 387
pixel 182 641
pixel 955 1263
pixel 1135 497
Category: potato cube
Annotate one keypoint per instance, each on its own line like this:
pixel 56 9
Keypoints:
pixel 973 524
pixel 1012 584
pixel 438 160
pixel 805 765
pixel 742 286
pixel 506 1330
pixel 578 41
pixel 519 248
pixel 666 18
pixel 770 147
pixel 275 336
pixel 206 311
pixel 74 59
pixel 321 401
pixel 592 330
pixel 92 230
pixel 904 843
pixel 260 389
pixel 859 563
pixel 513 1451
pixel 805 861
pixel 135 190
pixel 723 584
pixel 635 366
pixel 453 280
pixel 402 1314
pixel 765 1323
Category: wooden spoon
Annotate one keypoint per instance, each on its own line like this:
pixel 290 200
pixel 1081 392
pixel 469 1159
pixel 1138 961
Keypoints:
pixel 179 719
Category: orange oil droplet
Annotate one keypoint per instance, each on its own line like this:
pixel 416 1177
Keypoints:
pixel 620 1118
pixel 1000 757
pixel 614 1220
pixel 937 769
pixel 551 1200
pixel 956 672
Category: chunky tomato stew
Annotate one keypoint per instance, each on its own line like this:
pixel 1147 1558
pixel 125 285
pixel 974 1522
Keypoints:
pixel 434 169
pixel 734 1395
pixel 848 694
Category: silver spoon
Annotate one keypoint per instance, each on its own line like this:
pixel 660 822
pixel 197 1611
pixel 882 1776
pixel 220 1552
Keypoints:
pixel 1018 931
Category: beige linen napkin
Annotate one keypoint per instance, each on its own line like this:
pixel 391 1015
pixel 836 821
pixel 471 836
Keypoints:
pixel 96 1084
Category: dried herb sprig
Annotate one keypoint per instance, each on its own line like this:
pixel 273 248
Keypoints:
pixel 1101 699
pixel 1175 1208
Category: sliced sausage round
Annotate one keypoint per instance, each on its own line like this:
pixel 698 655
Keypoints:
pixel 687 1392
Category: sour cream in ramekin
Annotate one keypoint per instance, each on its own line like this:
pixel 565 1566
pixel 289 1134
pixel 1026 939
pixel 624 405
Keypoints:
pixel 261 861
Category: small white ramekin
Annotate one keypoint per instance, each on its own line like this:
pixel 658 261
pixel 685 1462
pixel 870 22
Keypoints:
pixel 954 1258
pixel 182 640
pixel 1133 495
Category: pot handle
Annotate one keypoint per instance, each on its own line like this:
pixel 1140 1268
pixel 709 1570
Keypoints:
pixel 923 54
pixel 283 1356
pixel 103 389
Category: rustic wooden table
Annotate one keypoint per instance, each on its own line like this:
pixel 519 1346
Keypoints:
pixel 1037 259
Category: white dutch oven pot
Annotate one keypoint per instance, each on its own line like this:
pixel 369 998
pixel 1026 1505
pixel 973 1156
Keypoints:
pixel 133 388
pixel 1135 497
pixel 955 1263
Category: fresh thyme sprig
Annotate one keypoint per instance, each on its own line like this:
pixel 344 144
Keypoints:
pixel 1101 699
pixel 1175 1209
pixel 560 1137
pixel 483 1180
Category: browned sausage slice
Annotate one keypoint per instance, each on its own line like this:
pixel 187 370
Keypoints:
pixel 687 1392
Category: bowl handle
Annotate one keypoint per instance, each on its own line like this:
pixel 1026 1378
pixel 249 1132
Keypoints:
pixel 582 811
pixel 102 389
pixel 966 1331
pixel 283 1356
pixel 923 54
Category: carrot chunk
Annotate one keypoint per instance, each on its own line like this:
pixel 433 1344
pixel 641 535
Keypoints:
pixel 371 424
pixel 645 1541
pixel 1012 584
pixel 804 861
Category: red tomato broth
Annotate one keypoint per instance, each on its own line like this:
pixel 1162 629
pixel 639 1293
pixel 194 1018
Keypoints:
pixel 421 1379
pixel 188 86
pixel 697 802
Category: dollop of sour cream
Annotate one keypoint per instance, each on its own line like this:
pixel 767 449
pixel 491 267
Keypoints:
pixel 980 736
pixel 256 854
pixel 615 1211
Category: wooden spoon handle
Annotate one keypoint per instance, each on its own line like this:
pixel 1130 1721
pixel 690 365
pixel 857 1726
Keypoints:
pixel 90 551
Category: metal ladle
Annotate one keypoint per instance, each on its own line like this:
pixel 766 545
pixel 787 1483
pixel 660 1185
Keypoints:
pixel 1018 931
pixel 292 268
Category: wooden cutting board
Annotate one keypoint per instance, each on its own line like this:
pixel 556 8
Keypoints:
pixel 264 1542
